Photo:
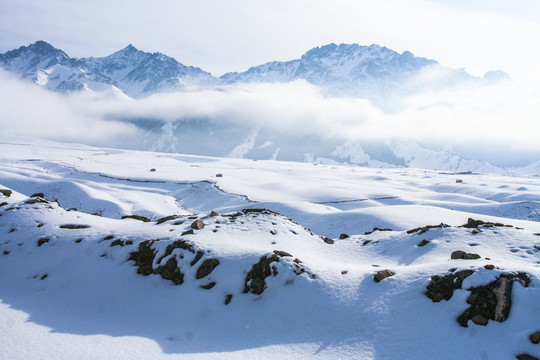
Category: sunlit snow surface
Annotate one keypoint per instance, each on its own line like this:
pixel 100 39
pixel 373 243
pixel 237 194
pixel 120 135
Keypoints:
pixel 76 296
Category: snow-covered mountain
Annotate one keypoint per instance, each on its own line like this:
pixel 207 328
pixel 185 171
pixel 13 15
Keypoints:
pixel 345 69
pixel 350 69
pixel 134 72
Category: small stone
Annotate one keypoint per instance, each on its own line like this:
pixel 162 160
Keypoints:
pixel 136 217
pixel 480 320
pixel 423 243
pixel 197 224
pixel 344 272
pixel 152 170
pixel 228 299
pixel 383 274
pixel 42 241
pixel 209 285
pixel 343 236
pixel 41 195
pixel 489 267
pixel 214 214
pixel 188 232
pixel 327 240
pixel 6 192
pixel 476 231
pixel 458 254
pixel 459 181
pixel 219 175
pixel 535 337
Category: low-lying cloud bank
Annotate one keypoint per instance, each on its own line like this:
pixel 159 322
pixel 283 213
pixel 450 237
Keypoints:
pixel 496 123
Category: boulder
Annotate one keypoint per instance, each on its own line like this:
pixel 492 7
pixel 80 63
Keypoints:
pixel 6 192
pixel 197 224
pixel 383 274
pixel 206 268
pixel 464 255
pixel 535 337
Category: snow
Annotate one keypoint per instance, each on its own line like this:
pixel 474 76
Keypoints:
pixel 84 299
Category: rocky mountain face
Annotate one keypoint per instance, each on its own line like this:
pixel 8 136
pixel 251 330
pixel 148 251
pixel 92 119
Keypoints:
pixel 344 69
pixel 134 72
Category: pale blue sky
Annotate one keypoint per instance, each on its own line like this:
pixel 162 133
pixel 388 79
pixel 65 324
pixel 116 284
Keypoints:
pixel 221 36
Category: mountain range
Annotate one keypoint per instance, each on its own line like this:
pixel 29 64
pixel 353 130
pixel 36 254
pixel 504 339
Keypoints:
pixel 371 72
pixel 340 70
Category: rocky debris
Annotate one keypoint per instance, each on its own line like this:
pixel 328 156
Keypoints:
pixel 282 253
pixel 526 357
pixel 197 224
pixel 377 229
pixel 474 224
pixel 74 226
pixel 206 268
pixel 6 192
pixel 343 236
pixel 492 301
pixel 443 287
pixel 117 242
pixel 39 194
pixel 424 242
pixel 383 274
pixel 42 241
pixel 144 257
pixel 136 217
pixel 228 299
pixel 535 337
pixel 424 229
pixel 166 218
pixel 458 254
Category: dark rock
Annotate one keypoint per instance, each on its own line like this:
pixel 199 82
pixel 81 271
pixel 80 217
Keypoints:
pixel 117 242
pixel 376 229
pixel 383 274
pixel 535 337
pixel 7 252
pixel 42 241
pixel 108 237
pixel 166 218
pixel 209 285
pixel 366 242
pixel 188 232
pixel 4 203
pixel 198 257
pixel 273 232
pixel 36 200
pixel 152 170
pixel 343 236
pixel 213 213
pixel 41 195
pixel 344 272
pixel 475 231
pixel 443 287
pixel 74 226
pixel 459 181
pixel 171 271
pixel 489 267
pixel 282 253
pixel 144 257
pixel 327 240
pixel 423 229
pixel 228 299
pixel 493 301
pixel 129 242
pixel 480 319
pixel 458 254
pixel 177 244
pixel 474 224
pixel 44 276
pixel 6 192
pixel 136 217
pixel 255 279
pixel 78 241
pixel 423 243
pixel 526 357
pixel 12 230
pixel 197 224
pixel 206 268
pixel 219 175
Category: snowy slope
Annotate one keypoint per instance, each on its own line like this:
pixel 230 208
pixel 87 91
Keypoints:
pixel 279 283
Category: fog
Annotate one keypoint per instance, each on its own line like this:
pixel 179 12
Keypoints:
pixel 489 122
